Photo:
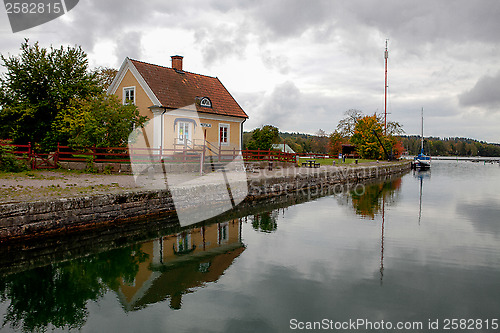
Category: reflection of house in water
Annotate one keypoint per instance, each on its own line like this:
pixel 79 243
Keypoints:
pixel 180 262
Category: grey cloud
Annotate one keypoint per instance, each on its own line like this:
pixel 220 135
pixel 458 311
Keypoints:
pixel 413 24
pixel 279 63
pixel 428 20
pixel 410 22
pixel 129 45
pixel 292 17
pixel 283 104
pixel 94 20
pixel 217 50
pixel 290 109
pixel 485 93
pixel 221 42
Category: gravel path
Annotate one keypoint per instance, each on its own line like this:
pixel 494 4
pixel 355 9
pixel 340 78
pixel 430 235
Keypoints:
pixel 43 185
pixel 49 185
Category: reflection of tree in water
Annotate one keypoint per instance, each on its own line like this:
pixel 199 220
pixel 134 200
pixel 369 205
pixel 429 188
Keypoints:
pixel 266 222
pixel 56 295
pixel 368 203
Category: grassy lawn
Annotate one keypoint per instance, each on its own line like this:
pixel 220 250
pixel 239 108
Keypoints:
pixel 57 183
pixel 329 161
pixel 41 174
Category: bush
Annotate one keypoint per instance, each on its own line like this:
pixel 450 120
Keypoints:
pixel 9 161
pixel 90 164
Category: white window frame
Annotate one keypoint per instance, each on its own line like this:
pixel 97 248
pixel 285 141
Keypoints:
pixel 222 233
pixel 228 127
pixel 205 101
pixel 183 124
pixel 125 90
pixel 183 237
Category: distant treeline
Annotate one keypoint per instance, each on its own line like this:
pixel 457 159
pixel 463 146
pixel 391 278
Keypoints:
pixel 450 146
pixel 320 143
pixel 299 142
pixel 307 143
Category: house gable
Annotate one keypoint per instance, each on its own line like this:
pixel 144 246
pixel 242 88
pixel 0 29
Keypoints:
pixel 176 89
pixel 129 77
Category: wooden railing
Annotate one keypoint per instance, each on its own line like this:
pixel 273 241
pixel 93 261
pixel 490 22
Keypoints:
pixel 97 154
pixel 35 159
pixel 124 155
pixel 19 149
pixel 268 155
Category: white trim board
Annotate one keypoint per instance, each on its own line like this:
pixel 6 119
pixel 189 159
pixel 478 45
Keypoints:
pixel 129 66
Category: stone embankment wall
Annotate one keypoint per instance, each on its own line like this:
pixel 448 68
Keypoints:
pixel 27 219
pixel 317 180
pixel 169 167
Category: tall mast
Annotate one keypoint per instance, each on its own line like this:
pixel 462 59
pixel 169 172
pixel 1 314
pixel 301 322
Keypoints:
pixel 386 56
pixel 422 139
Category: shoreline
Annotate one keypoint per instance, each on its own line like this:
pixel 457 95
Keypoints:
pixel 20 254
pixel 50 185
pixel 28 219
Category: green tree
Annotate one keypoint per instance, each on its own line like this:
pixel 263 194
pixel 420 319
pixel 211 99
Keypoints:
pixel 37 86
pixel 320 142
pixel 294 145
pixel 9 161
pixel 365 139
pixel 105 76
pixel 438 148
pixel 366 131
pixel 101 121
pixel 263 138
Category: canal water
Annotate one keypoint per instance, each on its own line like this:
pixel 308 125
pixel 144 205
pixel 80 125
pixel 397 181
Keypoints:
pixel 416 253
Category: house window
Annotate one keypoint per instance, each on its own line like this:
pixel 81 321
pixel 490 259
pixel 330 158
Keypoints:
pixel 129 95
pixel 222 233
pixel 183 243
pixel 183 132
pixel 206 102
pixel 224 134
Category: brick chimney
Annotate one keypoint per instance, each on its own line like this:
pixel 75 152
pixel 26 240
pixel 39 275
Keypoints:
pixel 177 62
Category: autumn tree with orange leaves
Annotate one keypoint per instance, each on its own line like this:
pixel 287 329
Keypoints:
pixel 363 132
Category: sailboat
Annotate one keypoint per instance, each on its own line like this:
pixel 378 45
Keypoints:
pixel 422 161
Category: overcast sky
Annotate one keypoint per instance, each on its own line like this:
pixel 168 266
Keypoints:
pixel 299 65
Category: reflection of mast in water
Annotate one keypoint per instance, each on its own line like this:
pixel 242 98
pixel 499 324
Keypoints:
pixel 420 201
pixel 421 175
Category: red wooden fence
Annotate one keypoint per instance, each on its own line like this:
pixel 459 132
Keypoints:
pixel 268 155
pixel 122 155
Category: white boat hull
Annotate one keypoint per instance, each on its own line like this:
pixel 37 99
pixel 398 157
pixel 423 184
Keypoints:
pixel 423 163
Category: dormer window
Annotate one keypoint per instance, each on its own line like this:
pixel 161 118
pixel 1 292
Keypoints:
pixel 128 95
pixel 205 101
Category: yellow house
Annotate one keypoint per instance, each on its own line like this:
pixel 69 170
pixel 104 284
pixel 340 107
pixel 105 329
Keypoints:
pixel 188 110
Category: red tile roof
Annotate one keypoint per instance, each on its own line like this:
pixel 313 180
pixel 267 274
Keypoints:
pixel 175 89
